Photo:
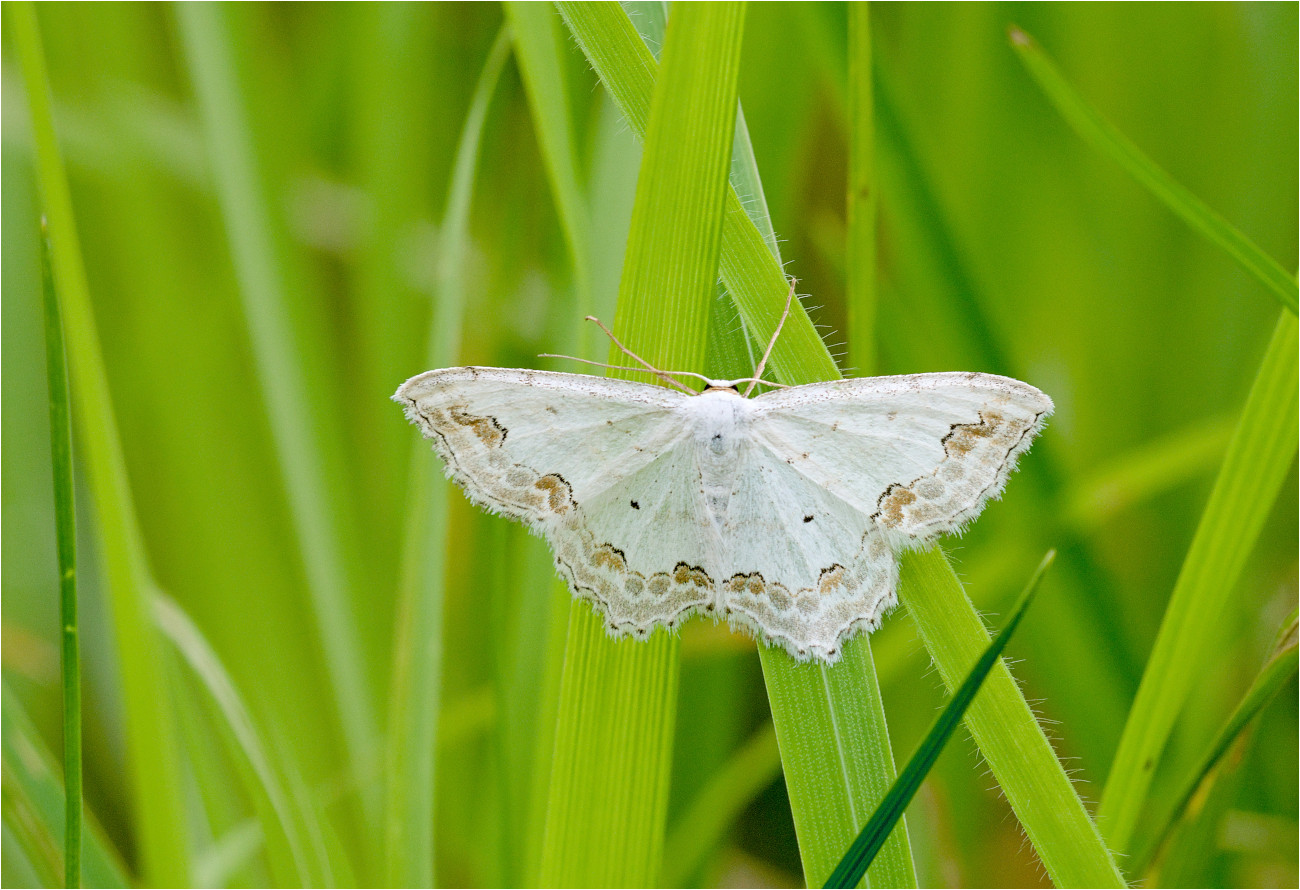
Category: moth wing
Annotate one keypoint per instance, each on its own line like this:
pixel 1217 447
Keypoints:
pixel 919 454
pixel 529 444
pixel 600 467
pixel 804 568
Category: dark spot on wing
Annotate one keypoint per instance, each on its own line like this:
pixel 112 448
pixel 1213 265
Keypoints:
pixel 807 519
pixel 635 505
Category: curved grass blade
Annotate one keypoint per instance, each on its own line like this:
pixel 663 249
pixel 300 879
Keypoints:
pixel 890 812
pixel 295 853
pixel 1261 453
pixel 1276 673
pixel 152 752
pixel 614 727
pixel 1106 138
pixel 65 513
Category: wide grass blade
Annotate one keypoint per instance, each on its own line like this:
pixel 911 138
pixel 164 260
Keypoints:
pixel 1190 801
pixel 895 866
pixel 613 748
pixel 65 513
pixel 860 854
pixel 1107 139
pixel 293 407
pixel 1262 452
pixel 33 812
pixel 153 758
pixel 747 264
pixel 417 655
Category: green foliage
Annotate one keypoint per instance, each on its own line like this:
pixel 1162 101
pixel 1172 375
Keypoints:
pixel 307 660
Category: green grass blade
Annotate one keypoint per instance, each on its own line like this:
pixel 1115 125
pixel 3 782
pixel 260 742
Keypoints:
pixel 280 827
pixel 65 513
pixel 860 854
pixel 609 786
pixel 153 758
pixel 245 208
pixel 417 656
pixel 1108 140
pixel 836 755
pixel 1262 451
pixel 1276 673
pixel 33 800
pixel 748 267
pixel 650 17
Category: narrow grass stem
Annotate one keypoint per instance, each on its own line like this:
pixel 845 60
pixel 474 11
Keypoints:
pixel 860 203
pixel 65 514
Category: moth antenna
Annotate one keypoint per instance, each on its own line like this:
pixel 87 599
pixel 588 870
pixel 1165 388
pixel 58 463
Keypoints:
pixel 758 372
pixel 662 375
pixel 702 377
pixel 587 361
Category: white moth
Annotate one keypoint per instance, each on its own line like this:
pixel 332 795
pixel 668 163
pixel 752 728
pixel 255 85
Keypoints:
pixel 783 513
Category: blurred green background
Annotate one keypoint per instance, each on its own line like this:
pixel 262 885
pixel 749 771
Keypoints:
pixel 1006 245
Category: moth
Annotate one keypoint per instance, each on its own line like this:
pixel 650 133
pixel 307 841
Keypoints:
pixel 782 514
